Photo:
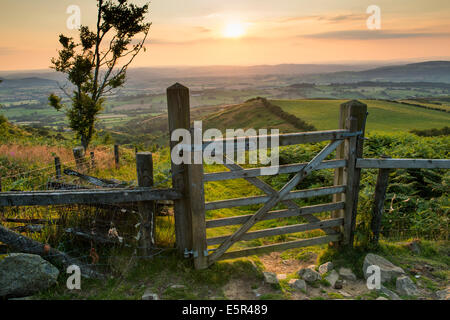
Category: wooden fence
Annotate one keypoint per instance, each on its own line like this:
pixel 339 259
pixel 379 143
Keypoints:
pixel 188 194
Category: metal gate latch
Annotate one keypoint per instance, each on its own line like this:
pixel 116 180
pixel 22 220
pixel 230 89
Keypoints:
pixel 187 253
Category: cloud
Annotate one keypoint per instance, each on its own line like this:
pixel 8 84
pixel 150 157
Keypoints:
pixel 202 29
pixel 372 35
pixel 336 18
pixel 7 51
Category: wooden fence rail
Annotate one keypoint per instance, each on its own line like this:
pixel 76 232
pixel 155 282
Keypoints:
pixel 90 196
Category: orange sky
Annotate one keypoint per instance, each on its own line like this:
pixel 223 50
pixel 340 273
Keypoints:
pixel 283 31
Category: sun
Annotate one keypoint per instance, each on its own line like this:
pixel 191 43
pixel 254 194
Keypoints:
pixel 234 30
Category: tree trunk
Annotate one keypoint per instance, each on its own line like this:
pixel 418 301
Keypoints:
pixel 26 245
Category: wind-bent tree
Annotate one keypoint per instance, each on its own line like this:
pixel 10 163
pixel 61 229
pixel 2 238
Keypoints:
pixel 98 63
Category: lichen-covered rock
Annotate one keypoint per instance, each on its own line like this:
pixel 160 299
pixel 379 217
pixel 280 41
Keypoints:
pixel 270 277
pixel 405 286
pixel 332 278
pixel 391 294
pixel 298 284
pixel 326 267
pixel 387 269
pixel 443 294
pixel 24 274
pixel 347 274
pixel 309 274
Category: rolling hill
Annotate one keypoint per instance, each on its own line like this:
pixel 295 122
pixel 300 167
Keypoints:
pixel 383 115
pixel 430 71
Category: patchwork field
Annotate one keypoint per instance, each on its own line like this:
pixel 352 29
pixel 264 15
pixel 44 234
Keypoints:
pixel 383 115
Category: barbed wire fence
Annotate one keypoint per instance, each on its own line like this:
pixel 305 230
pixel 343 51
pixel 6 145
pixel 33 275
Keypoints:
pixel 103 236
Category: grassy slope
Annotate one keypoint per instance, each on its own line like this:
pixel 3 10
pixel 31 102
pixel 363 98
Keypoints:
pixel 383 116
pixel 252 114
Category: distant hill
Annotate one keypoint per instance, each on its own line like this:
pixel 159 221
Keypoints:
pixel 28 82
pixel 431 71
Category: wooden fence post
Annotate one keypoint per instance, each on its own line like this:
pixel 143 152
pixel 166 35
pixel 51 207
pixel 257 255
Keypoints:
pixel 197 206
pixel 92 160
pixel 116 156
pixel 78 154
pixel 179 118
pixel 58 168
pixel 378 203
pixel 144 167
pixel 352 117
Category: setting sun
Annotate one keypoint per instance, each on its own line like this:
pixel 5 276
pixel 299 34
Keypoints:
pixel 234 30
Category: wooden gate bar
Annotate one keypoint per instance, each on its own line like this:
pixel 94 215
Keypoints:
pixel 256 172
pixel 222 222
pixel 197 207
pixel 274 199
pixel 321 224
pixel 308 193
pixel 280 247
pixel 286 139
pixel 403 163
pixel 357 110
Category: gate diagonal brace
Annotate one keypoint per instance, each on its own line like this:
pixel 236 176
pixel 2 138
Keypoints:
pixel 279 196
pixel 266 188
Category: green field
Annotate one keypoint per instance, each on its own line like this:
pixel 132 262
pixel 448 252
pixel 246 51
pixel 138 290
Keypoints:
pixel 383 115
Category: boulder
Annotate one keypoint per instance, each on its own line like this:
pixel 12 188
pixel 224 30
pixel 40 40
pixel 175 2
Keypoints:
pixel 309 274
pixel 347 274
pixel 332 278
pixel 270 277
pixel 23 275
pixel 298 284
pixel 387 269
pixel 326 267
pixel 381 298
pixel 405 286
pixel 392 295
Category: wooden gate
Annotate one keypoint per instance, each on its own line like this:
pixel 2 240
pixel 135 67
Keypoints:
pixel 347 141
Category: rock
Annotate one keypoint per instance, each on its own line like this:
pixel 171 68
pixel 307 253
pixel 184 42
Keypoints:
pixel 326 267
pixel 345 293
pixel 23 275
pixel 177 286
pixel 257 294
pixel 406 287
pixel 443 294
pixel 387 269
pixel 332 278
pixel 281 276
pixel 299 284
pixel 392 295
pixel 338 284
pixel 309 274
pixel 347 274
pixel 270 278
pixel 148 295
pixel 381 298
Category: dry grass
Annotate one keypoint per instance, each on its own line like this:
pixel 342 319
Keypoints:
pixel 42 155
